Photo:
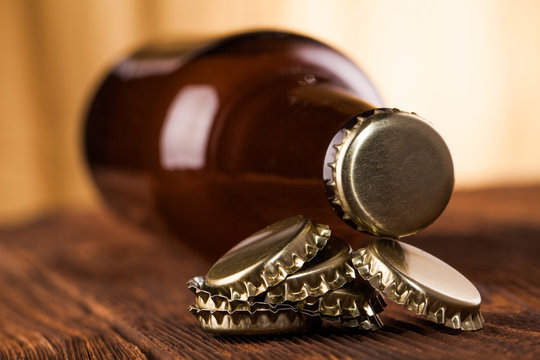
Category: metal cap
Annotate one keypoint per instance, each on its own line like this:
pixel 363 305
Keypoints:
pixel 266 258
pixel 420 282
pixel 389 173
pixel 354 305
pixel 259 322
pixel 329 270
pixel 205 300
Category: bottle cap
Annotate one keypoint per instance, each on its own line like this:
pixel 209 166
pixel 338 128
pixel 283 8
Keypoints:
pixel 205 300
pixel 371 323
pixel 355 299
pixel 266 258
pixel 420 282
pixel 259 322
pixel 354 305
pixel 389 173
pixel 329 270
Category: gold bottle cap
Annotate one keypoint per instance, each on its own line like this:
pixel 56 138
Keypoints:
pixel 389 173
pixel 329 270
pixel 260 322
pixel 354 305
pixel 266 258
pixel 371 323
pixel 205 300
pixel 420 282
pixel 355 299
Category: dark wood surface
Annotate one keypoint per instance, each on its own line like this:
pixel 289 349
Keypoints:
pixel 87 286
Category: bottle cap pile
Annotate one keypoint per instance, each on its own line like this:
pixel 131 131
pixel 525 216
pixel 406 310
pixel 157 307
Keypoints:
pixel 292 274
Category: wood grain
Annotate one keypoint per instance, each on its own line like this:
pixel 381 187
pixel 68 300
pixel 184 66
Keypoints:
pixel 38 319
pixel 88 286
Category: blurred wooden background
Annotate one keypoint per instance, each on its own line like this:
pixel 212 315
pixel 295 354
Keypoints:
pixel 471 68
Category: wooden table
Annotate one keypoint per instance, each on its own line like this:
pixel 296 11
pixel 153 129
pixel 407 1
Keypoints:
pixel 87 286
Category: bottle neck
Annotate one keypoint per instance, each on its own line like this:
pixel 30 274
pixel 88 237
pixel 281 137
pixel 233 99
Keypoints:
pixel 334 101
pixel 282 129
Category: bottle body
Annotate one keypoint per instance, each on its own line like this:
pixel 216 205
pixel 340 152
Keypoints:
pixel 216 143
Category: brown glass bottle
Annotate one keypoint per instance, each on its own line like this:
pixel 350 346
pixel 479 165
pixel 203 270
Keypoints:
pixel 215 143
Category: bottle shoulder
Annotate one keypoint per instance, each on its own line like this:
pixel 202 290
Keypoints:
pixel 231 63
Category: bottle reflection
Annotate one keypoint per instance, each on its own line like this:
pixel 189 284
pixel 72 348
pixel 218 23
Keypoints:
pixel 184 138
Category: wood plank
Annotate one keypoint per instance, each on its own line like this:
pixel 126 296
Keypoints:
pixel 135 283
pixel 38 320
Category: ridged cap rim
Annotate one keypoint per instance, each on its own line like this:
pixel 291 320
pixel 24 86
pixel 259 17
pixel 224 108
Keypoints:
pixel 414 295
